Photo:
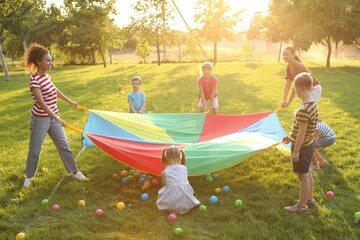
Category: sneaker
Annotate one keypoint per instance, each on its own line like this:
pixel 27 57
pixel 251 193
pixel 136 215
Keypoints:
pixel 309 201
pixel 315 167
pixel 324 164
pixel 296 208
pixel 27 182
pixel 79 176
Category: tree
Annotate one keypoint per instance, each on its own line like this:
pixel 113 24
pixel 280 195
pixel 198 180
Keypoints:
pixel 318 21
pixel 152 21
pixel 143 49
pixel 216 21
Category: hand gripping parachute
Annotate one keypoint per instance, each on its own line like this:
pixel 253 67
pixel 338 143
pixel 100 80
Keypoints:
pixel 210 142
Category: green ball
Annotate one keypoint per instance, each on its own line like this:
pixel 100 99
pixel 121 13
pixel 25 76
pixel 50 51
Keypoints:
pixel 132 172
pixel 239 203
pixel 357 215
pixel 44 202
pixel 209 179
pixel 178 231
pixel 202 208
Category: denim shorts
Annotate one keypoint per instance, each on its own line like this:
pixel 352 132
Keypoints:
pixel 324 142
pixel 305 156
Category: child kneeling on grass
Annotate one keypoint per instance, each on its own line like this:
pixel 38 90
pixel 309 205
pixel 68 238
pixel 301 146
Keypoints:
pixel 302 141
pixel 176 195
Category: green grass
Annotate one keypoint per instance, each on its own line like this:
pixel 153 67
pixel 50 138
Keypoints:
pixel 264 182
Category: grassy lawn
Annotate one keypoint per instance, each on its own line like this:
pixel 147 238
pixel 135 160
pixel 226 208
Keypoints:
pixel 264 182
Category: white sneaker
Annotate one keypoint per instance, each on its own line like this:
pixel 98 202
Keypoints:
pixel 27 182
pixel 79 176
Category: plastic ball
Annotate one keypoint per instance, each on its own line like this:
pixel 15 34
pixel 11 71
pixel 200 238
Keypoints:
pixel 209 179
pixel 120 205
pixel 124 180
pixel 141 180
pixel 132 172
pixel 124 173
pixel 203 208
pixel 81 203
pixel 154 182
pixel 20 236
pixel 215 175
pixel 144 196
pixel 178 231
pixel 115 176
pixel 130 177
pixel 99 212
pixel 44 202
pixel 357 215
pixel 213 199
pixel 239 203
pixel 218 190
pixel 330 194
pixel 172 217
pixel 225 188
pixel 55 207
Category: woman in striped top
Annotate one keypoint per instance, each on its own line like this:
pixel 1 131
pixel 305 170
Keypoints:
pixel 45 117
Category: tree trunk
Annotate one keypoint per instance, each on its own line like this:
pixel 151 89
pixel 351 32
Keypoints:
pixel 158 47
pixel 103 57
pixel 3 62
pixel 93 58
pixel 281 42
pixel 179 52
pixel 254 45
pixel 328 42
pixel 215 53
pixel 336 48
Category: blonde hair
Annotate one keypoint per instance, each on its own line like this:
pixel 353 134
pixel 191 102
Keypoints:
pixel 303 81
pixel 172 153
pixel 207 65
pixel 136 78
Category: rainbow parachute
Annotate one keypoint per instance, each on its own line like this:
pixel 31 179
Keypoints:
pixel 210 142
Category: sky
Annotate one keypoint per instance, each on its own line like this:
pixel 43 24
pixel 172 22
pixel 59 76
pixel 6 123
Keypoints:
pixel 124 12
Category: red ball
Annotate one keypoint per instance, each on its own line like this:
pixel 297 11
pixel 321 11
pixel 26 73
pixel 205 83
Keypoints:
pixel 154 182
pixel 330 194
pixel 55 207
pixel 99 212
pixel 172 217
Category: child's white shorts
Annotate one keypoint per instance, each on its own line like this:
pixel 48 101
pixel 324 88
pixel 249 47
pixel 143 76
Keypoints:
pixel 215 103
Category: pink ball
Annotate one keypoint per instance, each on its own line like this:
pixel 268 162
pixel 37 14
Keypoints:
pixel 154 182
pixel 55 207
pixel 330 194
pixel 99 212
pixel 172 217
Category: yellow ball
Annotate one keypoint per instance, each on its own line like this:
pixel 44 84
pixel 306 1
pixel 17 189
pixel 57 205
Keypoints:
pixel 81 203
pixel 120 205
pixel 217 190
pixel 20 236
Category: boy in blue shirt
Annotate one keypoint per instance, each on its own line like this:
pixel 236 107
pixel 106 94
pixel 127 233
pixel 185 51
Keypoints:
pixel 136 98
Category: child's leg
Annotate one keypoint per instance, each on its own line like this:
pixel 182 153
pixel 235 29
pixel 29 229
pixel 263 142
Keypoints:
pixel 311 188
pixel 314 160
pixel 201 108
pixel 304 188
pixel 320 159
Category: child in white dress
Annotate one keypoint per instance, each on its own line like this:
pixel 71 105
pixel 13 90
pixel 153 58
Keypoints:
pixel 176 195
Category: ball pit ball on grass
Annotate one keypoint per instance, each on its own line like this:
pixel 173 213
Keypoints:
pixel 178 231
pixel 225 188
pixel 172 217
pixel 124 173
pixel 124 180
pixel 213 199
pixel 115 176
pixel 144 196
pixel 154 182
pixel 55 207
pixel 81 203
pixel 44 202
pixel 20 236
pixel 99 212
pixel 330 194
pixel 238 203
pixel 202 208
pixel 218 190
pixel 120 206
pixel 215 175
pixel 357 215
pixel 209 179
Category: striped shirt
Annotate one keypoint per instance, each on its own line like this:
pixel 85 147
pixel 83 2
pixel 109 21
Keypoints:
pixel 48 91
pixel 306 114
pixel 323 130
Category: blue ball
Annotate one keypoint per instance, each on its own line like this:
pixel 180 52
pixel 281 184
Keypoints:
pixel 124 180
pixel 141 180
pixel 144 196
pixel 226 188
pixel 213 199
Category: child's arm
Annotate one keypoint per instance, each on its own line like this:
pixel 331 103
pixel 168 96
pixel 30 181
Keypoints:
pixel 212 95
pixel 202 96
pixel 286 92
pixel 298 142
pixel 163 177
pixel 131 107
pixel 142 107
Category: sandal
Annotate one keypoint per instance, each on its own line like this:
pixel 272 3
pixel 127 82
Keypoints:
pixel 296 209
pixel 309 201
pixel 324 164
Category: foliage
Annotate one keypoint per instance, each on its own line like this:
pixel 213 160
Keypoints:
pixel 216 21
pixel 265 182
pixel 143 49
pixel 248 50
